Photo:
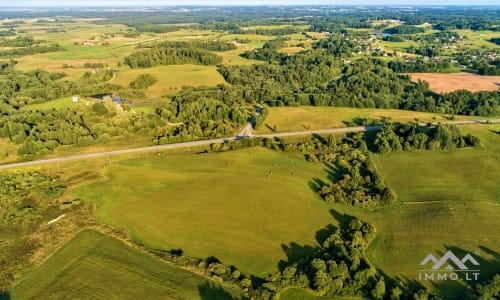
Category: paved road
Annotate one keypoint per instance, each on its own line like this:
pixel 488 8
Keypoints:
pixel 212 141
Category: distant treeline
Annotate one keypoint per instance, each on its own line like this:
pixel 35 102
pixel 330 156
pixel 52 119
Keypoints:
pixel 19 41
pixel 407 137
pixel 214 45
pixel 404 29
pixel 171 56
pixel 37 49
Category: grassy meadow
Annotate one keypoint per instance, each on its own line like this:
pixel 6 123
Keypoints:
pixel 312 118
pixel 243 207
pixel 450 200
pixel 239 202
pixel 93 265
pixel 172 78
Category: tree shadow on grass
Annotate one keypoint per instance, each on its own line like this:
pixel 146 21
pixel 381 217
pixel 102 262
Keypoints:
pixel 4 295
pixel 210 291
pixel 465 287
pixel 296 253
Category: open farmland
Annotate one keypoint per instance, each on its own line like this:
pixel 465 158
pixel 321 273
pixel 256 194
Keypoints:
pixel 231 200
pixel 443 83
pixel 450 201
pixel 284 119
pixel 97 266
pixel 172 78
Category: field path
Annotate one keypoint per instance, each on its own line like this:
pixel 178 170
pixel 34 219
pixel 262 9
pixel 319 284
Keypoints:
pixel 212 141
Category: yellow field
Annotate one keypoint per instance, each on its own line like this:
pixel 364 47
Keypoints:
pixel 312 118
pixel 172 78
pixel 442 83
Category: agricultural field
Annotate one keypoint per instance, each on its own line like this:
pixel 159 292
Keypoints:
pixel 284 119
pixel 444 83
pixel 117 270
pixel 449 201
pixel 172 78
pixel 338 216
pixel 249 231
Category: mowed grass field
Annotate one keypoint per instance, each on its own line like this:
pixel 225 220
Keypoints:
pixel 450 200
pixel 93 265
pixel 241 206
pixel 442 83
pixel 312 118
pixel 172 78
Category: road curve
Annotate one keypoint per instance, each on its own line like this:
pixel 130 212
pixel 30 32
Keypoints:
pixel 212 141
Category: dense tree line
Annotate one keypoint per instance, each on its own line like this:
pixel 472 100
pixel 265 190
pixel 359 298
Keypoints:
pixel 408 137
pixel 337 46
pixel 404 29
pixel 270 31
pixel 9 32
pixel 19 41
pixel 418 66
pixel 354 179
pixel 312 78
pixel 36 49
pixel 159 55
pixel 213 45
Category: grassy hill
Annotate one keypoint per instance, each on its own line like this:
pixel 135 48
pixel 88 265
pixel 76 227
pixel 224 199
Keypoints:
pixel 239 206
pixel 93 265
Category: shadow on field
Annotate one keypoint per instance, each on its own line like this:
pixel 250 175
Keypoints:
pixel 209 291
pixel 487 268
pixel 4 295
pixel 296 253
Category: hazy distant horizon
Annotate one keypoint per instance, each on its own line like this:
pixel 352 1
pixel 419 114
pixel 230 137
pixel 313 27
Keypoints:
pixel 120 3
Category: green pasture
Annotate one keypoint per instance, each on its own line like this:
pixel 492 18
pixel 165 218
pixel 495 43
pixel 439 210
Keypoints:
pixel 312 118
pixel 172 78
pixel 243 207
pixel 450 200
pixel 93 265
pixel 479 39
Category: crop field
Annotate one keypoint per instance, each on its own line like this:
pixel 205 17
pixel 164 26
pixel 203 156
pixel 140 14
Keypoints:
pixel 243 207
pixel 312 118
pixel 442 83
pixel 96 266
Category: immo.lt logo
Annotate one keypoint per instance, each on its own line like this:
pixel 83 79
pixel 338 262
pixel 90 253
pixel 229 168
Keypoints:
pixel 449 267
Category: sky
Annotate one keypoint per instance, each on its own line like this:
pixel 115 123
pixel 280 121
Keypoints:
pixel 240 2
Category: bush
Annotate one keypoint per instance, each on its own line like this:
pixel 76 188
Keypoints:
pixel 143 81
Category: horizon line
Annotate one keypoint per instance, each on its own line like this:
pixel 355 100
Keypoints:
pixel 244 5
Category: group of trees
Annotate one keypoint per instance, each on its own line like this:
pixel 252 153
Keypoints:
pixel 19 41
pixel 143 81
pixel 212 45
pixel 24 193
pixel 339 267
pixel 35 49
pixel 312 78
pixel 404 29
pixel 407 137
pixel 353 177
pixel 159 55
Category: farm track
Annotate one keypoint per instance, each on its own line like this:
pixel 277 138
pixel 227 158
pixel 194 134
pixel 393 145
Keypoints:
pixel 192 144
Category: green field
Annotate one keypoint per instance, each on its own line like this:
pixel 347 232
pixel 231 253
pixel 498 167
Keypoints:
pixel 312 118
pixel 172 78
pixel 93 265
pixel 240 206
pixel 450 201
